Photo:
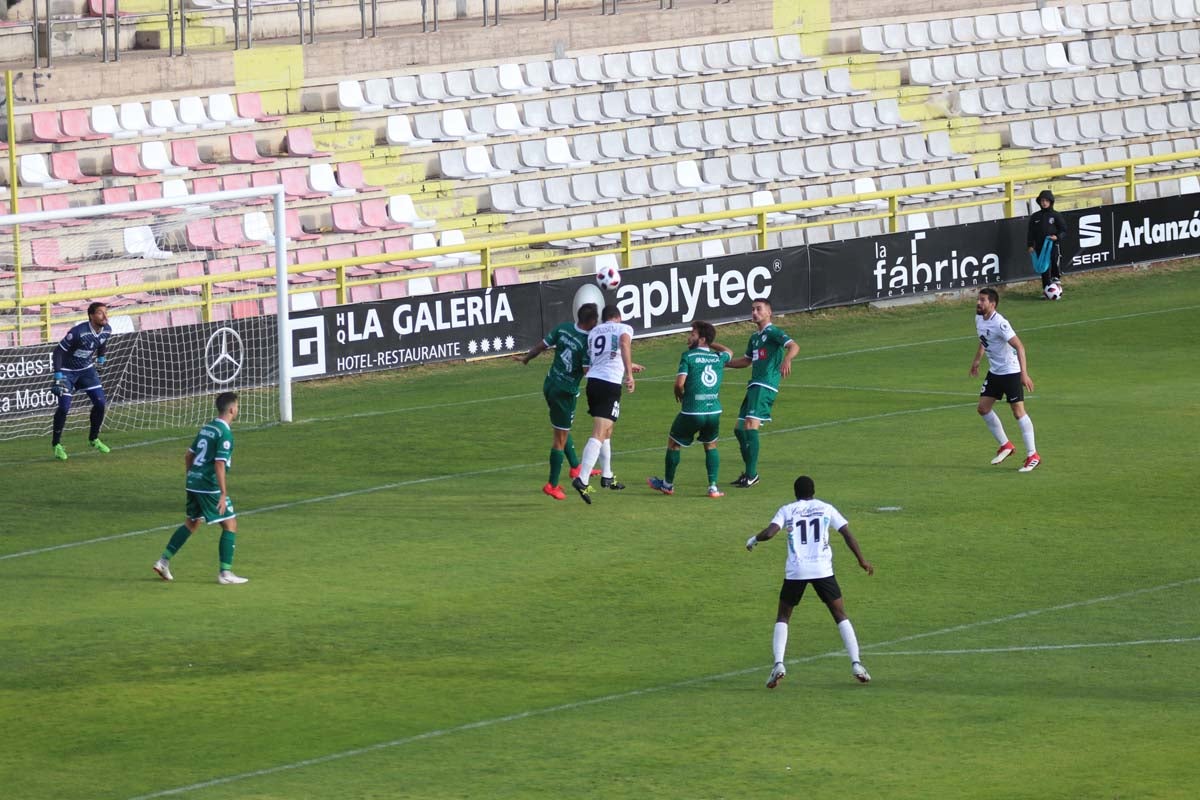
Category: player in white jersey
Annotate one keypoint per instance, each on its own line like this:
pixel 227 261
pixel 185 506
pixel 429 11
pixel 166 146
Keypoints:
pixel 1008 376
pixel 610 357
pixel 807 523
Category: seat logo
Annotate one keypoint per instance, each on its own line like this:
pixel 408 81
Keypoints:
pixel 223 355
pixel 1090 232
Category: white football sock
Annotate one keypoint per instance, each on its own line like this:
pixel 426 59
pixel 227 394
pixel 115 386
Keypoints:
pixel 995 426
pixel 779 641
pixel 591 451
pixel 1027 434
pixel 606 459
pixel 849 639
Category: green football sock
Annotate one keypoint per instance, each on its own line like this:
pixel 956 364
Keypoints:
pixel 556 461
pixel 178 539
pixel 225 549
pixel 672 465
pixel 572 456
pixel 740 433
pixel 712 462
pixel 752 452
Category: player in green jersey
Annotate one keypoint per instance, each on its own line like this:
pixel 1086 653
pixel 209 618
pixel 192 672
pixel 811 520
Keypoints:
pixel 698 390
pixel 208 460
pixel 561 388
pixel 769 354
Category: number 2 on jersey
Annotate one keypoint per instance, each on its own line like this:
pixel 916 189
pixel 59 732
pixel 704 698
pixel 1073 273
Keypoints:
pixel 201 453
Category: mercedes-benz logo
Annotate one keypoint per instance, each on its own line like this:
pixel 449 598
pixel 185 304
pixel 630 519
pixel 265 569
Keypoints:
pixel 223 355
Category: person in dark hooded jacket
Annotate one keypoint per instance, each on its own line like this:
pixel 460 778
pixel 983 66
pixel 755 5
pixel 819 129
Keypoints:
pixel 1046 223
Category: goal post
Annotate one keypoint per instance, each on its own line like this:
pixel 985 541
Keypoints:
pixel 197 294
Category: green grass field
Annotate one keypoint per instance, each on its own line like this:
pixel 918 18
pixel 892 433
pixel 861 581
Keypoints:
pixel 422 622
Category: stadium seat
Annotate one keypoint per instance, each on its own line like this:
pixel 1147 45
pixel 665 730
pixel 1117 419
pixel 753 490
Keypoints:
pixel 75 123
pixel 222 109
pixel 300 143
pixel 406 92
pixel 64 165
pixel 249 106
pixel 512 81
pixel 401 209
pixel 139 242
pixel 243 149
pixel 33 170
pixel 153 156
pixel 322 179
pixel 350 98
pixel 46 128
pixel 431 86
pixel 192 112
pixel 132 118
pixel 46 255
pixel 399 131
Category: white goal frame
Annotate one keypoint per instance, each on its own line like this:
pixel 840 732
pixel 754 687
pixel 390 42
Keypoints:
pixel 277 196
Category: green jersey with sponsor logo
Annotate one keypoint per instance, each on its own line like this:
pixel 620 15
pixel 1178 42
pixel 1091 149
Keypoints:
pixel 704 370
pixel 765 352
pixel 570 352
pixel 213 443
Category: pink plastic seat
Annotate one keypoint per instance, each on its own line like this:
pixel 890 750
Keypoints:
pixel 199 235
pixel 375 247
pixel 65 166
pixel 346 219
pixel 123 194
pixel 66 286
pixel 375 214
pixel 393 290
pixel 296 186
pixel 300 143
pixel 350 176
pixel 154 320
pixel 244 150
pixel 185 153
pixel 61 202
pixel 506 276
pixel 127 163
pixel 450 283
pixel 243 309
pixel 294 230
pixel 229 232
pixel 249 105
pixel 46 128
pixel 191 269
pixel 75 122
pixel 46 254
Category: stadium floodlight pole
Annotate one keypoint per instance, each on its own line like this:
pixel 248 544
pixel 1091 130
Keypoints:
pixel 11 131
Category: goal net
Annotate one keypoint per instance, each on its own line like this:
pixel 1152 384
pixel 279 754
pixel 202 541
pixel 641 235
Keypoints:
pixel 193 288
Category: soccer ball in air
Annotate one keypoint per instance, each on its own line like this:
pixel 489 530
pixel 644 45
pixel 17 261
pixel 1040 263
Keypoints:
pixel 1053 292
pixel 608 277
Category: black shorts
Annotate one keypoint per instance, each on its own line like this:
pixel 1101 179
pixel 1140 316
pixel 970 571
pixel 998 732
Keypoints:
pixel 827 589
pixel 604 399
pixel 998 386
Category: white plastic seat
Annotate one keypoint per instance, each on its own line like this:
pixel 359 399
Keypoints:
pixel 481 120
pixel 508 121
pixel 154 156
pixel 350 98
pixel 839 83
pixel 485 79
pixel 139 242
pixel 641 67
pixel 536 114
pixel 407 92
pixel 192 112
pixel 590 112
pixel 402 210
pixel 558 153
pixel 133 118
pixel 163 115
pixel 432 87
pixel 512 80
pixel 917 35
pixel 562 113
pixel 507 156
pixel 256 227
pixel 399 131
pixel 104 120
pixel 460 87
pixel 716 57
pixel 666 64
pixel 540 78
pixel 962 31
pixel 454 124
pixel 33 169
pixel 564 72
pixel 503 198
pixel 222 109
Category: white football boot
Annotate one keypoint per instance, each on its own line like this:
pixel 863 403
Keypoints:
pixel 860 672
pixel 778 673
pixel 225 578
pixel 163 568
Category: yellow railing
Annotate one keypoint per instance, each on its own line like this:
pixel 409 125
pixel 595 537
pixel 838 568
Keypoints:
pixel 491 253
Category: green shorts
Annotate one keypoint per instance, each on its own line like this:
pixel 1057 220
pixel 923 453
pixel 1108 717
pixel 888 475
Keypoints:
pixel 757 404
pixel 561 404
pixel 688 426
pixel 204 506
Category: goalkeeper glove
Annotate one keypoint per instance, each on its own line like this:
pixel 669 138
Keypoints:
pixel 753 540
pixel 57 387
pixel 100 360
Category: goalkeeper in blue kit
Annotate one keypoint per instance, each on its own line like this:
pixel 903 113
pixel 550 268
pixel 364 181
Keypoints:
pixel 75 361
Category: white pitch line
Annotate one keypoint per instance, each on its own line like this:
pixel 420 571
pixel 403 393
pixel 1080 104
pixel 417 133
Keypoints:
pixel 1032 648
pixel 435 478
pixel 541 712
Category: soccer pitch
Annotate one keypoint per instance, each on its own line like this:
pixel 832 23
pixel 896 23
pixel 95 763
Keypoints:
pixel 422 622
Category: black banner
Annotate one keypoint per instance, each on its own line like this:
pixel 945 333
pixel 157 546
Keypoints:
pixel 668 298
pixel 916 262
pixel 387 334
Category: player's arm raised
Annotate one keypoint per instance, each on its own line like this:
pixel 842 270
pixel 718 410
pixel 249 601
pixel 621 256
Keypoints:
pixel 762 536
pixel 1026 381
pixel 533 353
pixel 852 543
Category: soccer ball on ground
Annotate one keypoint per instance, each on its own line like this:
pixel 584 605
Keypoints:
pixel 608 277
pixel 1053 291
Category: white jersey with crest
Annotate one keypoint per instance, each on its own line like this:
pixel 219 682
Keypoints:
pixel 604 351
pixel 808 524
pixel 994 334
